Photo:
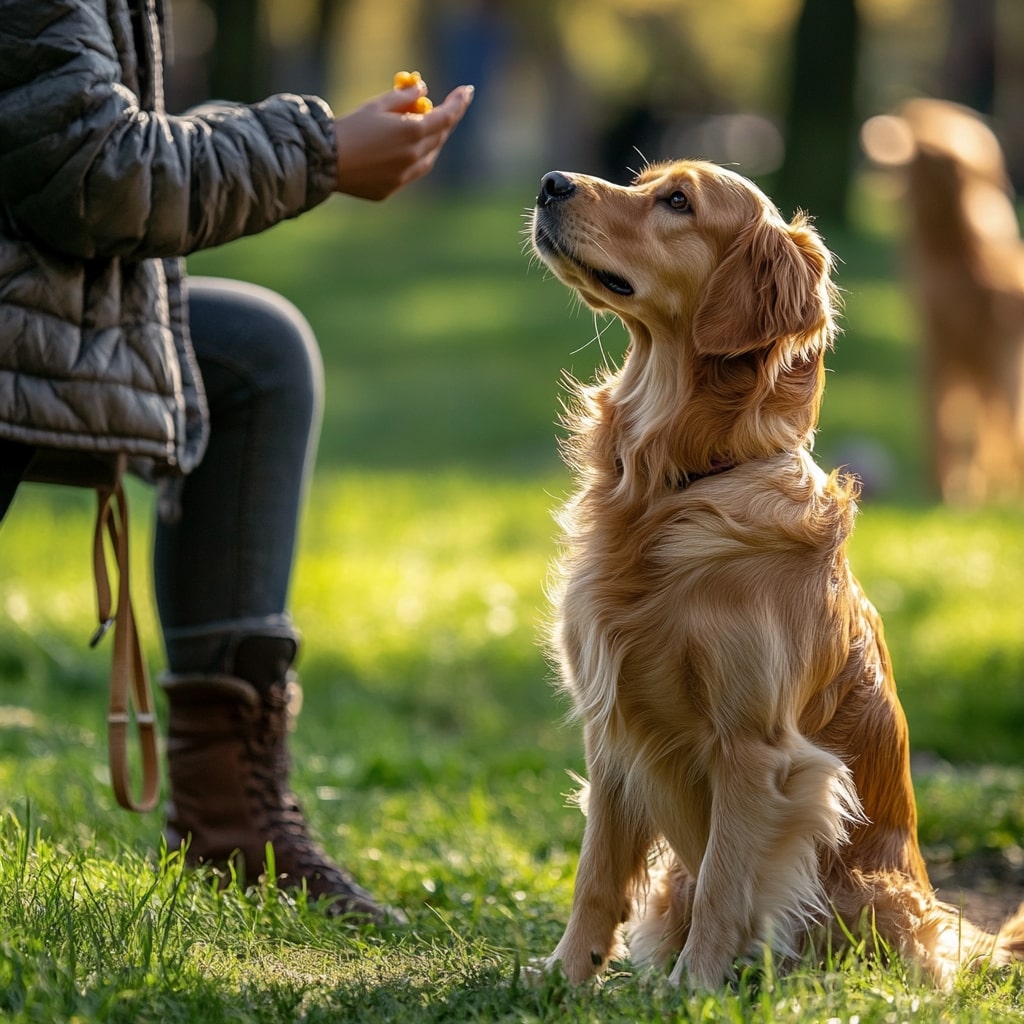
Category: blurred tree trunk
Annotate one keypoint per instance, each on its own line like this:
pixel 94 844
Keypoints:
pixel 306 60
pixel 1009 41
pixel 968 72
pixel 821 122
pixel 982 69
pixel 240 62
pixel 329 17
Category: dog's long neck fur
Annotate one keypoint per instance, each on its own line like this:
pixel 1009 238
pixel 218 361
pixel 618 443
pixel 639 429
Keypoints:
pixel 668 415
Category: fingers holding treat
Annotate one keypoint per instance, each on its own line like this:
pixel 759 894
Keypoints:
pixel 407 80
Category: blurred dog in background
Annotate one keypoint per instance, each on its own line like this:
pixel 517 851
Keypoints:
pixel 967 263
pixel 747 756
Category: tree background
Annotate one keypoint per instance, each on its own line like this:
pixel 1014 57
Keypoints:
pixel 778 88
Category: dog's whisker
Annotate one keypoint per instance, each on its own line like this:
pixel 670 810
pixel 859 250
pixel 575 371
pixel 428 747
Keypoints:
pixel 597 339
pixel 586 345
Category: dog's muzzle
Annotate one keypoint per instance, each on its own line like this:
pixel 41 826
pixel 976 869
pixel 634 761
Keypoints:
pixel 556 187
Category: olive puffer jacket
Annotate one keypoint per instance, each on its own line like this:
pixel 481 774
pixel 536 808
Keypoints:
pixel 101 194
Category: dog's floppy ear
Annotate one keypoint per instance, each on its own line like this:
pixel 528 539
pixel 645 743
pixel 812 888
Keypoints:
pixel 773 283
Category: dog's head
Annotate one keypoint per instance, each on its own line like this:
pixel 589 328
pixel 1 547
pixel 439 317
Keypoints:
pixel 689 250
pixel 729 310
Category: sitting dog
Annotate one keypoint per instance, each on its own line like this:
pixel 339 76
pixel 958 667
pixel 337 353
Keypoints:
pixel 749 781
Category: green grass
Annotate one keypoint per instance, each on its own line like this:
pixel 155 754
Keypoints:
pixel 432 755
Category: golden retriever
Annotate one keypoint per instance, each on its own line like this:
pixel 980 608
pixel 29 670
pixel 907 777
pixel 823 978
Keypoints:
pixel 747 756
pixel 967 264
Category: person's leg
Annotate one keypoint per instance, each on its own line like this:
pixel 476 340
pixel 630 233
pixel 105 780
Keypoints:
pixel 222 567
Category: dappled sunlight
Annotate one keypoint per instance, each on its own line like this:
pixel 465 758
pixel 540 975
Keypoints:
pixel 14 717
pixel 16 607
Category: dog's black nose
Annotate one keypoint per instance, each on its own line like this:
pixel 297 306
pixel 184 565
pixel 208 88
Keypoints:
pixel 554 186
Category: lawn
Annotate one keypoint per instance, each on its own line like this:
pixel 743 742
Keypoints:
pixel 432 754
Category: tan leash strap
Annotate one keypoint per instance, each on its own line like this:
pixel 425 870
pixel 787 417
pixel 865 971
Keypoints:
pixel 129 678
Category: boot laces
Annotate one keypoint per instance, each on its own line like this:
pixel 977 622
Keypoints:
pixel 271 768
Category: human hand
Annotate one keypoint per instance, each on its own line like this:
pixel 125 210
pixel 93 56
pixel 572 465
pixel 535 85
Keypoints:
pixel 381 148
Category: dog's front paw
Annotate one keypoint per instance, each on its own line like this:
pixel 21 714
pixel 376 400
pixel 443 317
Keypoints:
pixel 577 961
pixel 548 973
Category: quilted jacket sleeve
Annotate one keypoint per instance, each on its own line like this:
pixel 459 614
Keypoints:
pixel 86 171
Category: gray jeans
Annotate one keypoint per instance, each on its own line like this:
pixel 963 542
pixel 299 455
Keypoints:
pixel 222 568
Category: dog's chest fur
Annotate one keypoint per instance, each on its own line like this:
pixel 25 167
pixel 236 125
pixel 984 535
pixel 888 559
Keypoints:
pixel 667 642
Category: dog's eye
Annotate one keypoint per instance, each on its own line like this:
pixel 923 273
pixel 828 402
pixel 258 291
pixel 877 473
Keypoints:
pixel 679 201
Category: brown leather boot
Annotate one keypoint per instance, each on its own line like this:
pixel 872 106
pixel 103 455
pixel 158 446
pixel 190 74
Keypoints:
pixel 228 765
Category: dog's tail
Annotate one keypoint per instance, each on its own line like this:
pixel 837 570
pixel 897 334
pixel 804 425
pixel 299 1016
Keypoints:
pixel 1009 945
pixel 947 941
pixel 903 912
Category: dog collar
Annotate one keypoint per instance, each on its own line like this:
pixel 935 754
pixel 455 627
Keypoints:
pixel 685 479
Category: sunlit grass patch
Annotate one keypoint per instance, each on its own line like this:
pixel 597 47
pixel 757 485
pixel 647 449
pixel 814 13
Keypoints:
pixel 949 585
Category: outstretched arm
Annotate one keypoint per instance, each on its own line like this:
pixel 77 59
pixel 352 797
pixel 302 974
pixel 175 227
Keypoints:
pixel 88 170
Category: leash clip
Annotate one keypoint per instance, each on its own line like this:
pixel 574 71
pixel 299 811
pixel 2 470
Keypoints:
pixel 101 632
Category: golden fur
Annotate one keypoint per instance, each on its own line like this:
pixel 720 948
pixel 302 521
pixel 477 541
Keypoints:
pixel 746 752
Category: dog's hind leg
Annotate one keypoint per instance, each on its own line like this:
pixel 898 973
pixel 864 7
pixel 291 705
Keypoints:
pixel 664 916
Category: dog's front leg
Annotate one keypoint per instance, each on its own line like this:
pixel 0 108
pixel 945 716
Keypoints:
pixel 612 858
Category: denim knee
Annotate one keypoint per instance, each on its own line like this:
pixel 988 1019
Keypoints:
pixel 267 340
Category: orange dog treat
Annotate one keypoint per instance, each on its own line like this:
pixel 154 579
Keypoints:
pixel 403 79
